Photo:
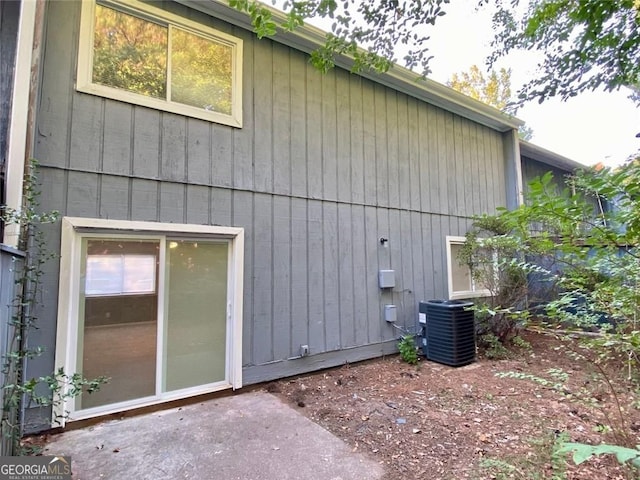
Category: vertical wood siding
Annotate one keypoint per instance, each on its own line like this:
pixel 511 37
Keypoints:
pixel 9 21
pixel 532 169
pixel 323 167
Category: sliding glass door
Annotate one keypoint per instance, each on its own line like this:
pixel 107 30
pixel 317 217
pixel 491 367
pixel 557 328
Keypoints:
pixel 195 313
pixel 153 317
pixel 119 318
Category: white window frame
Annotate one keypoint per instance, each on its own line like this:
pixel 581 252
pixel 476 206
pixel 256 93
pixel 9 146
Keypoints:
pixel 475 291
pixel 74 230
pixel 85 84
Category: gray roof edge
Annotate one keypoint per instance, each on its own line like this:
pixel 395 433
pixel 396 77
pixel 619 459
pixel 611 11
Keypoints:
pixel 308 38
pixel 548 157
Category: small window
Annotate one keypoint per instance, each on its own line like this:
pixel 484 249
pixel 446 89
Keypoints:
pixel 461 281
pixel 137 53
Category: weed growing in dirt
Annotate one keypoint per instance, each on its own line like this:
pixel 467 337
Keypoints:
pixel 625 449
pixel 408 350
pixel 546 454
pixel 494 349
pixel 521 343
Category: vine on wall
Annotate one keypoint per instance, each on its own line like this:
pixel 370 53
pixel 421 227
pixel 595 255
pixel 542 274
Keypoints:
pixel 18 392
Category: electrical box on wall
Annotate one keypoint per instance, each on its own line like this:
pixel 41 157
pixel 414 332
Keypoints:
pixel 387 278
pixel 390 313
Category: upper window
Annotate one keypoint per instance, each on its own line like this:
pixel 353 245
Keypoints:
pixel 461 281
pixel 140 54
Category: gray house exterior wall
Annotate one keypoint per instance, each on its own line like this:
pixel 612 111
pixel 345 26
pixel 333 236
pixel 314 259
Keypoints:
pixel 532 169
pixel 536 161
pixel 323 166
pixel 9 21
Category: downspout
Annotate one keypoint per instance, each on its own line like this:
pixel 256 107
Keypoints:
pixel 23 106
pixel 513 169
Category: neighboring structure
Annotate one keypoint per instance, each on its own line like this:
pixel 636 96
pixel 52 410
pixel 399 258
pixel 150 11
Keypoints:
pixel 536 161
pixel 227 209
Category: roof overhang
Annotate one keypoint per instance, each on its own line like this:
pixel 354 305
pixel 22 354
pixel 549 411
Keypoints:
pixel 309 38
pixel 548 157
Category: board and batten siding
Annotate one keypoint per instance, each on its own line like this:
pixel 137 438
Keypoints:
pixel 323 166
pixel 532 169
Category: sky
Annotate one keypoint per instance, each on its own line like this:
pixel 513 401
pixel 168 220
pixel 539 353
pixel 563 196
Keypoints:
pixel 591 128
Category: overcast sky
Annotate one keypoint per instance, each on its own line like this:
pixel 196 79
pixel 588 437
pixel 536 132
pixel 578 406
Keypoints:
pixel 590 128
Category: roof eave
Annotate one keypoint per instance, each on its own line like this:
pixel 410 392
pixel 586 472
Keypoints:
pixel 308 38
pixel 548 157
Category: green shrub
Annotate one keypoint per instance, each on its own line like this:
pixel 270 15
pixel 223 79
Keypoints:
pixel 408 349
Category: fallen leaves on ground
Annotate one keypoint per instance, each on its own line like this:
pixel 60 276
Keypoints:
pixel 438 422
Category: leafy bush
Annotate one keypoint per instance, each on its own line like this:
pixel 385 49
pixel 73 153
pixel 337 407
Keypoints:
pixel 408 349
pixel 569 258
pixel 583 452
pixel 493 347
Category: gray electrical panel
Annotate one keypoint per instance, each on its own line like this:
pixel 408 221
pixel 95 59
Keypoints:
pixel 390 313
pixel 387 278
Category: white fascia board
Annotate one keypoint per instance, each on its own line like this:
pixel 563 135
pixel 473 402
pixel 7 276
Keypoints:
pixel 308 38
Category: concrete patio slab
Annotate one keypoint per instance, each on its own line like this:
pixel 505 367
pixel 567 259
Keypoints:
pixel 252 436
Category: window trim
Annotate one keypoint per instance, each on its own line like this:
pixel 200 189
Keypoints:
pixel 74 229
pixel 460 294
pixel 85 62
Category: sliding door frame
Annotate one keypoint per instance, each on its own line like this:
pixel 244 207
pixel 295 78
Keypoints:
pixel 74 229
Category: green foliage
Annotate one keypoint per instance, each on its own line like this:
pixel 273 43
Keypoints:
pixel 525 133
pixel 494 90
pixel 545 456
pixel 133 54
pixel 586 44
pixel 520 342
pixel 558 463
pixel 130 53
pixel 570 254
pixel 18 391
pixel 201 72
pixel 408 349
pixel 499 469
pixel 368 32
pixel 493 347
pixel 582 452
pixel 556 381
pixel 576 242
pixel 492 256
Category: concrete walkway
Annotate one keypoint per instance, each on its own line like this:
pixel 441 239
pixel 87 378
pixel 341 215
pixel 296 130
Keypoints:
pixel 252 436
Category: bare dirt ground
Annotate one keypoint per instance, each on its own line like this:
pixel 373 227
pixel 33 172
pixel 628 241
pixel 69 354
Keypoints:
pixel 431 421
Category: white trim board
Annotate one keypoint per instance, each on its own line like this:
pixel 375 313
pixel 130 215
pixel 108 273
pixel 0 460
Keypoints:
pixel 74 229
pixel 18 122
pixel 142 10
